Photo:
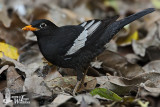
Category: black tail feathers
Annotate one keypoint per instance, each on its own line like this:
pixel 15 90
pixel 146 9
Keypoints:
pixel 114 28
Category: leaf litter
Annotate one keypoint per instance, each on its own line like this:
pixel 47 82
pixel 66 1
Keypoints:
pixel 126 74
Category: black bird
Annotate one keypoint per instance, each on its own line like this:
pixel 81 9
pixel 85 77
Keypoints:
pixel 75 46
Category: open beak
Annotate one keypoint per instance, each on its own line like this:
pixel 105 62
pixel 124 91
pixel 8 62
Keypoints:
pixel 29 28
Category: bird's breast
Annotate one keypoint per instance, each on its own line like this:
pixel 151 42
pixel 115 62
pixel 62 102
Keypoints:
pixel 51 51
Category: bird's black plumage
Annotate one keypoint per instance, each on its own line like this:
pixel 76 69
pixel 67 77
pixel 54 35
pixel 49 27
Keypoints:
pixel 54 42
pixel 75 46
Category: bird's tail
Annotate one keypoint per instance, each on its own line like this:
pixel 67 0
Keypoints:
pixel 118 25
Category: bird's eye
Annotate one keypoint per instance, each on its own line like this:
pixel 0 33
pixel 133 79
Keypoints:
pixel 42 25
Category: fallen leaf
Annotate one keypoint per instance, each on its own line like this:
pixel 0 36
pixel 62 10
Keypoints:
pixel 111 3
pixel 14 81
pixel 152 53
pixel 5 67
pixel 4 17
pixel 28 71
pixel 88 99
pixel 118 64
pixel 152 66
pixel 132 58
pixel 8 34
pixel 68 83
pixel 150 87
pixel 52 75
pixel 96 64
pixel 9 51
pixel 151 39
pixel 112 46
pixel 145 104
pixel 156 3
pixel 128 39
pixel 1 100
pixel 102 92
pixel 35 84
pixel 61 98
pixel 134 83
pixel 3 85
pixel 138 48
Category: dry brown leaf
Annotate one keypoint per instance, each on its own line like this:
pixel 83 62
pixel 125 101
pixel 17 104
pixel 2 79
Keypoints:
pixel 112 46
pixel 14 81
pixel 4 17
pixel 136 81
pixel 152 52
pixel 152 39
pixel 71 72
pixel 62 17
pixel 30 56
pixel 13 31
pixel 35 84
pixel 133 5
pixel 153 66
pixel 151 89
pixel 32 59
pixel 30 36
pixel 5 67
pixel 142 78
pixel 118 87
pixel 28 71
pixel 138 48
pixel 3 85
pixel 61 98
pixel 52 75
pixel 1 100
pixel 102 80
pixel 34 103
pixel 83 11
pixel 151 19
pixel 123 86
pixel 119 63
pixel 67 71
pixel 132 58
pixel 67 83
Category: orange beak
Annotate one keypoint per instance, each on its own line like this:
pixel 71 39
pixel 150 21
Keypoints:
pixel 29 28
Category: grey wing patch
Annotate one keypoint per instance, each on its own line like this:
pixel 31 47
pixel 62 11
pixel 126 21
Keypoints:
pixel 93 28
pixel 78 43
pixel 89 24
pixel 89 28
pixel 83 24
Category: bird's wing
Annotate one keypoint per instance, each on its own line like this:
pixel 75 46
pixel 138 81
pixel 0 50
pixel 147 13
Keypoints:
pixel 89 28
pixel 97 33
pixel 92 30
pixel 67 37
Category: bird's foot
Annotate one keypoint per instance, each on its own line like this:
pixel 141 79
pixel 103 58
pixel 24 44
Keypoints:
pixel 77 87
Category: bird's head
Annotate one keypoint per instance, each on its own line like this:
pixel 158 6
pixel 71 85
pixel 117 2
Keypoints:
pixel 41 26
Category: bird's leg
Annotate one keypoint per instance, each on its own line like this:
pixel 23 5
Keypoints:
pixel 83 79
pixel 76 87
pixel 80 80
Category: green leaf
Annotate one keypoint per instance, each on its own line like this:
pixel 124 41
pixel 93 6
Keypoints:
pixel 143 104
pixel 156 3
pixel 102 92
pixel 111 3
